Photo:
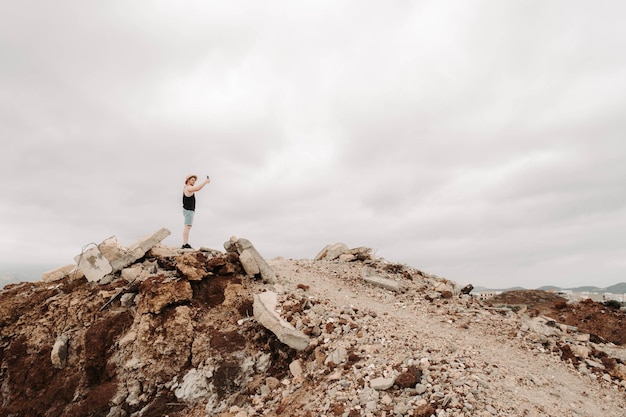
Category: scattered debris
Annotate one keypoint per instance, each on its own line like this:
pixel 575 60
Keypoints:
pixel 152 330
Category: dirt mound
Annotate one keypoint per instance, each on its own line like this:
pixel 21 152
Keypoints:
pixel 181 338
pixel 604 322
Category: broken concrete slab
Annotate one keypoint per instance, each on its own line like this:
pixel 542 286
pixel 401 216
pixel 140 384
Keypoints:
pixel 110 257
pixel 93 264
pixel 265 313
pixel 121 257
pixel 139 271
pixel 162 251
pixel 331 252
pixel 385 283
pixel 343 253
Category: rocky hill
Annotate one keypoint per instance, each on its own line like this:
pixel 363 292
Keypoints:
pixel 151 330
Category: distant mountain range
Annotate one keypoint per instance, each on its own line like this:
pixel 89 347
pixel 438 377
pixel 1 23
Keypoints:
pixel 11 273
pixel 614 289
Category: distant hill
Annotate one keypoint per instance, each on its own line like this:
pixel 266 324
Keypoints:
pixel 479 289
pixel 549 288
pixel 615 289
pixel 586 288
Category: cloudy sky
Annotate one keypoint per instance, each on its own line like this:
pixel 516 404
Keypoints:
pixel 481 141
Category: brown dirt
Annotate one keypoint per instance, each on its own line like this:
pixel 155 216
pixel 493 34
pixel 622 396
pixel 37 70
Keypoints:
pixel 604 323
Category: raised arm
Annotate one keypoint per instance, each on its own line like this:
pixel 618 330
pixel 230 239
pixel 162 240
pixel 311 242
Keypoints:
pixel 196 187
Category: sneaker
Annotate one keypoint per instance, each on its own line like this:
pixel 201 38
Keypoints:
pixel 186 246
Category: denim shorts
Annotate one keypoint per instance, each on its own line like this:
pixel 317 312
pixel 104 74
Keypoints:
pixel 188 214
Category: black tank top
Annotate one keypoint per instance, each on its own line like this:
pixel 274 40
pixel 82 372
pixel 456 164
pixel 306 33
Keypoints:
pixel 189 203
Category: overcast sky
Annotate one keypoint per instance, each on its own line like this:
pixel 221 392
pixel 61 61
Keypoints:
pixel 482 141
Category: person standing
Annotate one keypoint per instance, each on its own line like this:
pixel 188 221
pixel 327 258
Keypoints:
pixel 189 204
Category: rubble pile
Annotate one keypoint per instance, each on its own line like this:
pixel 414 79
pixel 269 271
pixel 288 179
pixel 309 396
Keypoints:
pixel 151 330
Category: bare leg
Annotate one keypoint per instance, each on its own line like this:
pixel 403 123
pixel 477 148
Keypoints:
pixel 186 234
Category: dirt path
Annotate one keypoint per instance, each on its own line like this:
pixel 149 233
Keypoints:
pixel 518 381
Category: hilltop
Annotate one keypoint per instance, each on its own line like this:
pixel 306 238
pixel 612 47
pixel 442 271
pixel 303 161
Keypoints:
pixel 152 330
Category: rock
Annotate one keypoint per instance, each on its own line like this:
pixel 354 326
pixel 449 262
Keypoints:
pixel 331 252
pixel 296 370
pixel 385 283
pixel 381 384
pixel 195 385
pixel 424 410
pixel 241 245
pixel 127 300
pixel 59 352
pixel 265 313
pixel 162 251
pixel 361 253
pixel 409 378
pixel 594 364
pixel 57 274
pixel 580 351
pixel 249 264
pixel 139 271
pixel 467 289
pixel 192 265
pixel 337 356
pixel 158 293
pixel 346 257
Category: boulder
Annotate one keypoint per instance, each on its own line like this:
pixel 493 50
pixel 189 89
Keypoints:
pixel 251 257
pixel 249 263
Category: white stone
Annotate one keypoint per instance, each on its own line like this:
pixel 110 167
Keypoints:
pixel 295 368
pixel 246 258
pixel 265 313
pixel 93 264
pixel 58 356
pixel 381 383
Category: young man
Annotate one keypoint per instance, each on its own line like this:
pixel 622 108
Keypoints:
pixel 189 204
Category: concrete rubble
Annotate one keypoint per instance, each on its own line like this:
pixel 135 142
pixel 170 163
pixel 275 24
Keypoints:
pixel 251 260
pixel 152 330
pixel 109 256
pixel 386 283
